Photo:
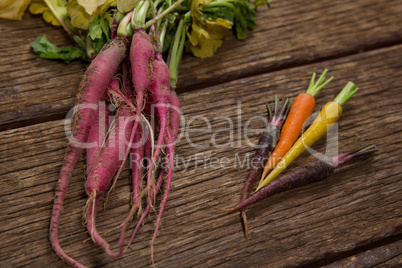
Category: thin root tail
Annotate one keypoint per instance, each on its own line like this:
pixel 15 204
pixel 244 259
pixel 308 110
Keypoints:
pixel 245 225
pixel 222 209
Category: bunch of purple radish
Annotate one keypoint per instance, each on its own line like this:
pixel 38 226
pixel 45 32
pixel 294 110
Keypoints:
pixel 135 79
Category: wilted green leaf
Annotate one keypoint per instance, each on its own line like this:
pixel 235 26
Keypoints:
pixel 262 2
pixel 79 41
pixel 95 30
pixel 47 50
pixel 218 12
pixel 240 33
pixel 99 32
pixel 239 12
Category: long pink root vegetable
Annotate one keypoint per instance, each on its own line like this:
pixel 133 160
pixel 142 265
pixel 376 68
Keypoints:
pixel 108 162
pixel 160 98
pixel 91 90
pixel 141 59
pixel 172 133
pixel 137 168
pixel 170 140
pixel 97 136
pixel 174 120
pixel 138 146
pixel 137 155
pixel 137 149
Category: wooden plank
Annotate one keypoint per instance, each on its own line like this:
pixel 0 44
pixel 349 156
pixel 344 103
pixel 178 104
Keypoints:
pixel 290 34
pixel 32 87
pixel 356 207
pixel 387 256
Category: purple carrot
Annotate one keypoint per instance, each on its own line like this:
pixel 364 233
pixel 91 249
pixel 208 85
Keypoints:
pixel 137 154
pixel 118 96
pixel 141 59
pixel 97 136
pixel 174 112
pixel 162 174
pixel 266 145
pixel 91 90
pixel 136 181
pixel 172 134
pixel 137 158
pixel 160 97
pixel 148 150
pixel 108 162
pixel 147 208
pixel 170 140
pixel 315 170
pixel 137 150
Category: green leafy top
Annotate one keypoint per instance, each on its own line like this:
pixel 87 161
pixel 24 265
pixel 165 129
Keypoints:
pixel 99 31
pixel 238 12
pixel 204 23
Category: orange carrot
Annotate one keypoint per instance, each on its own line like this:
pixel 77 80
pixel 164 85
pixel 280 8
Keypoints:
pixel 302 108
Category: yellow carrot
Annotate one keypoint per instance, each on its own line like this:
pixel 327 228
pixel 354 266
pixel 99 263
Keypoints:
pixel 328 116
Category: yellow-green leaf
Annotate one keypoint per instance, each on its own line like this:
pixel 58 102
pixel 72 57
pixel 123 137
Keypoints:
pixel 90 6
pixel 125 6
pixel 102 9
pixel 196 33
pixel 79 17
pixel 37 7
pixel 40 7
pixel 205 47
pixel 50 18
pixel 205 35
pixel 13 9
pixel 218 28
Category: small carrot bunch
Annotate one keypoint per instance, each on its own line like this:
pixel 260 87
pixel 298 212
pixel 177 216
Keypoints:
pixel 284 145
pixel 328 116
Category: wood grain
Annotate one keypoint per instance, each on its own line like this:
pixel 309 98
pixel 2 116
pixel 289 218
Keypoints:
pixel 291 33
pixel 358 206
pixel 32 87
pixel 387 256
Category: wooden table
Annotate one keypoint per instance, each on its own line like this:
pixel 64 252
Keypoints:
pixel 352 219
